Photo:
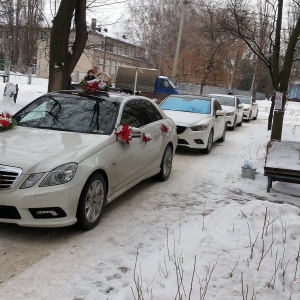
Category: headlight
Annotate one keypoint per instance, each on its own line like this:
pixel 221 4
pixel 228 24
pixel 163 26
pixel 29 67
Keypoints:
pixel 246 109
pixel 230 114
pixel 31 180
pixel 60 175
pixel 200 127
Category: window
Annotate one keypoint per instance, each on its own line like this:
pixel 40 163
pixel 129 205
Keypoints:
pixel 111 47
pixel 131 115
pixel 164 84
pixel 70 113
pixel 217 106
pixel 149 111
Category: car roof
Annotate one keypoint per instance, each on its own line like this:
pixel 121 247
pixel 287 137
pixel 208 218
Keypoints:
pixel 108 96
pixel 223 95
pixel 192 96
pixel 243 96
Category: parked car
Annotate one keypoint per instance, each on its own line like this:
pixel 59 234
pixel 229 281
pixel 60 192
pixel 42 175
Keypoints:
pixel 199 120
pixel 233 108
pixel 250 107
pixel 68 156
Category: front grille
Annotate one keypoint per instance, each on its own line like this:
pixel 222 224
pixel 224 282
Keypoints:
pixel 9 212
pixel 8 176
pixel 180 129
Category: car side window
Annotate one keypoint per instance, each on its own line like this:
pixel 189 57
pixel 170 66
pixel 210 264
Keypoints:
pixel 131 115
pixel 217 106
pixel 164 84
pixel 149 111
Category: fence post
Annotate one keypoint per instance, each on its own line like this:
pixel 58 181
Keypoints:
pixel 7 70
pixel 29 78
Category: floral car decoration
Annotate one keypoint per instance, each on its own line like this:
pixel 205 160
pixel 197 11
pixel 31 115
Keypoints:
pixel 146 138
pixel 123 134
pixel 164 128
pixel 102 84
pixel 7 122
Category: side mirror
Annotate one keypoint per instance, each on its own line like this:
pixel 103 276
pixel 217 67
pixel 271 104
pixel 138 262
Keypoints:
pixel 240 106
pixel 220 113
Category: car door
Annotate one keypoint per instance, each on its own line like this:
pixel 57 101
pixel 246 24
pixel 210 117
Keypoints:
pixel 254 108
pixel 240 111
pixel 132 157
pixel 154 121
pixel 218 121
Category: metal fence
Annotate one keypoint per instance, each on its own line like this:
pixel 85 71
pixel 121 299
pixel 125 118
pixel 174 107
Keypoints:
pixel 39 76
pixel 194 89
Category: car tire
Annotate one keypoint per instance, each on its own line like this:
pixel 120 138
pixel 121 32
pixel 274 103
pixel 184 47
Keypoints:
pixel 241 123
pixel 250 116
pixel 222 138
pixel 91 202
pixel 209 142
pixel 255 118
pixel 234 124
pixel 166 164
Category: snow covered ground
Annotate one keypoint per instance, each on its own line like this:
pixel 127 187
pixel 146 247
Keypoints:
pixel 200 234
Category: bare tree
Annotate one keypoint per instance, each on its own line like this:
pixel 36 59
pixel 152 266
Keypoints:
pixel 63 56
pixel 21 22
pixel 153 24
pixel 270 39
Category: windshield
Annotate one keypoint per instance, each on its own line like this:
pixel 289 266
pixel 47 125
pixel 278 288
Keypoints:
pixel 186 104
pixel 229 101
pixel 172 84
pixel 245 99
pixel 67 112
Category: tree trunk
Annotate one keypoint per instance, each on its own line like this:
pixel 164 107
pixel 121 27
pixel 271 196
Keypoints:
pixel 277 125
pixel 271 113
pixel 63 58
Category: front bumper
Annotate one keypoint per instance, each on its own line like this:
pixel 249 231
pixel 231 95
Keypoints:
pixel 246 114
pixel 230 121
pixel 194 139
pixel 53 206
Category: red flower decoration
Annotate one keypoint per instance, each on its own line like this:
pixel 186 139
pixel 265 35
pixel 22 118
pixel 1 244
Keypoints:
pixel 7 122
pixel 146 138
pixel 164 128
pixel 124 134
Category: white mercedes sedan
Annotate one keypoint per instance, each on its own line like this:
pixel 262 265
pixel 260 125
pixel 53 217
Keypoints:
pixel 250 107
pixel 74 152
pixel 233 108
pixel 200 120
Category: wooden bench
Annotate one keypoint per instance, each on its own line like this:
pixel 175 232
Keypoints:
pixel 282 162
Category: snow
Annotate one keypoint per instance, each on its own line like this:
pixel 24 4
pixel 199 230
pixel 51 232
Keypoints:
pixel 284 155
pixel 205 210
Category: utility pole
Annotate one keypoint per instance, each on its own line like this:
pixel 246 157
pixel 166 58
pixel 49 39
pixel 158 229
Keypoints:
pixel 174 70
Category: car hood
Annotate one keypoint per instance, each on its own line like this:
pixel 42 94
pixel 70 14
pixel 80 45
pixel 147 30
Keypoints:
pixel 228 108
pixel 41 150
pixel 246 105
pixel 187 119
